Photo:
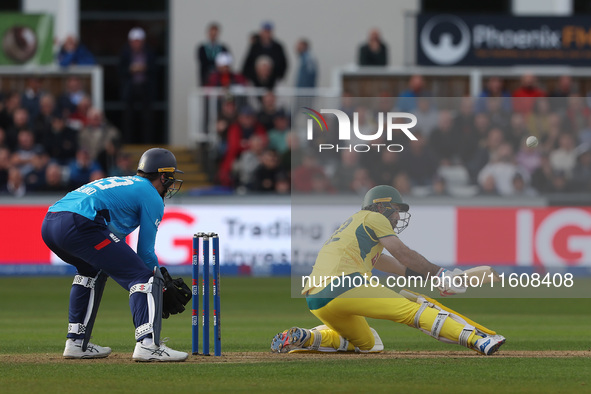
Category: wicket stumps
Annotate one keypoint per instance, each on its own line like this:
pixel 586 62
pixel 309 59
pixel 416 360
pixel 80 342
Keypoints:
pixel 205 241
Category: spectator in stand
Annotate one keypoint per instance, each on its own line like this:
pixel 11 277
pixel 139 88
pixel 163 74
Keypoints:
pixel 62 142
pixel 517 131
pixel 238 141
pixel 494 88
pixel 563 88
pixel 407 101
pixel 487 186
pixel 525 96
pixel 528 158
pixel 265 176
pixel 343 176
pixel 374 52
pixel 263 76
pixel 402 183
pixel 585 133
pixel 69 100
pixel 538 120
pixel 497 115
pixel 124 165
pixel 3 144
pixel 278 133
pixel 137 71
pixel 222 75
pixel 443 140
pixel 565 157
pixel 283 184
pixel 81 169
pixel 576 113
pixel 54 179
pixel 35 179
pixel 521 188
pixel 309 176
pixel 207 53
pixel 269 109
pixel 15 185
pixel 361 182
pixel 453 173
pixel 266 45
pixel 549 141
pixel 419 161
pixel 42 123
pixel 226 117
pixel 466 131
pixel 502 168
pixel 482 126
pixel 20 121
pixel 73 53
pixel 79 118
pixel 4 166
pixel 30 98
pixel 582 173
pixel 244 167
pixel 11 104
pixel 22 158
pixel 427 116
pixel 99 138
pixel 483 155
pixel 308 68
pixel 387 165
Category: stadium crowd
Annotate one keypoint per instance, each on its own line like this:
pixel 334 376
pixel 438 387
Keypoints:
pixel 466 146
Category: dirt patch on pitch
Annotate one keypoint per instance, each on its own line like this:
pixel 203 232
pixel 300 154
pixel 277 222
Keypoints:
pixel 260 357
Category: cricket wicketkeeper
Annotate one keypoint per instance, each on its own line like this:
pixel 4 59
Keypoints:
pixel 354 249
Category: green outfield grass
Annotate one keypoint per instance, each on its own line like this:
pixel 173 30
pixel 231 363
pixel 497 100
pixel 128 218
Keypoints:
pixel 33 322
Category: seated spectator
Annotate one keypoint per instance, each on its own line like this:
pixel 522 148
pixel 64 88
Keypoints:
pixel 26 149
pixel 419 161
pixel 97 174
pixel 79 118
pixel 402 183
pixel 223 76
pixel 563 88
pixel 385 167
pixel 494 88
pixel 73 53
pixel 310 177
pixel 4 166
pixel 12 102
pixel 361 182
pixel 343 177
pixel 238 136
pixel 542 177
pixel 576 114
pixel 427 116
pixel 549 140
pixel 502 169
pixel 20 121
pixel 407 101
pixel 278 133
pixel 43 122
pixel 283 184
pixel 30 98
pixel 487 186
pixel 528 159
pixel 374 52
pixel 15 185
pixel 497 115
pixel 124 165
pixel 484 153
pixel 439 187
pixel 565 157
pixel 226 117
pixel 453 174
pixel 585 133
pixel 54 179
pixel 99 138
pixel 68 101
pixel 245 166
pixel 266 116
pixel 582 173
pixel 81 169
pixel 265 175
pixel 517 131
pixel 538 120
pixel 35 179
pixel 443 140
pixel 525 96
pixel 521 188
pixel 62 142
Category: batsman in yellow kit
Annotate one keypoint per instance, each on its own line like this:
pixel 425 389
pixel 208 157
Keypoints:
pixel 348 257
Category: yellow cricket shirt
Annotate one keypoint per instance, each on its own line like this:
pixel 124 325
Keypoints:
pixel 352 248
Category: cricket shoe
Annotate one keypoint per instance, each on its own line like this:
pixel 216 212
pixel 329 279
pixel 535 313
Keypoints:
pixel 289 340
pixel 153 352
pixel 489 344
pixel 74 350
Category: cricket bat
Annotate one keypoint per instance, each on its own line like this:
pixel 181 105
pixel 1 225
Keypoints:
pixel 484 273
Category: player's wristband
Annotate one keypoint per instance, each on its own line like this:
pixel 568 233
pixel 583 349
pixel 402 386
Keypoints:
pixel 410 273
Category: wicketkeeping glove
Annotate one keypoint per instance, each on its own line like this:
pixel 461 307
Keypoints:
pixel 176 295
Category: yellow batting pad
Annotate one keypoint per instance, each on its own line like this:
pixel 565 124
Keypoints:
pixel 412 296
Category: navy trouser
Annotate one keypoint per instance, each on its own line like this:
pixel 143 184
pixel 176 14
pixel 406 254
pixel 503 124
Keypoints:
pixel 88 246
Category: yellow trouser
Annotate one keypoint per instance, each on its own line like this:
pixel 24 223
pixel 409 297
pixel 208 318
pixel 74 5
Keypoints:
pixel 345 316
